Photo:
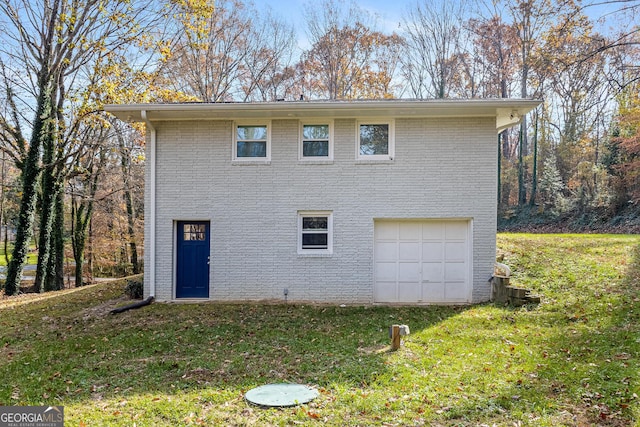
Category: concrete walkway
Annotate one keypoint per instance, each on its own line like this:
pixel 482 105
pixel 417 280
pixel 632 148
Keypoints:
pixel 67 279
pixel 28 267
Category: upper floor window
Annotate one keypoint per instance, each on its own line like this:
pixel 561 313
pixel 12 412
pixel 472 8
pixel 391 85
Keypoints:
pixel 252 142
pixel 316 142
pixel 375 140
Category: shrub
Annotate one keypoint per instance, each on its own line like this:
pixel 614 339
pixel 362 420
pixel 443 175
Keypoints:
pixel 134 289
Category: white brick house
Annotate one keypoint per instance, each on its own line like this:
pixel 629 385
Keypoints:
pixel 390 201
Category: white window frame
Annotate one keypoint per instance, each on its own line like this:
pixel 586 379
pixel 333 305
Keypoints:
pixel 376 121
pixel 301 140
pixel 329 249
pixel 267 124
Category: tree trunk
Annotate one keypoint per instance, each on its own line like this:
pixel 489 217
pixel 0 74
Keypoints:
pixel 78 247
pixel 524 90
pixel 77 240
pixel 81 217
pixel 42 130
pixel 131 230
pixel 534 172
pixel 56 261
pixel 6 244
pixel 48 280
pixel 47 213
pixel 523 146
pixel 522 191
pixel 90 251
pixel 125 165
pixel 49 274
pixel 2 218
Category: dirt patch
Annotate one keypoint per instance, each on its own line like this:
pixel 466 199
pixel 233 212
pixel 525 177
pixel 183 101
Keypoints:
pixel 26 289
pixel 28 292
pixel 590 416
pixel 103 309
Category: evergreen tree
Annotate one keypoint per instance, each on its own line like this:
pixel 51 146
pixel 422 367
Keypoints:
pixel 552 187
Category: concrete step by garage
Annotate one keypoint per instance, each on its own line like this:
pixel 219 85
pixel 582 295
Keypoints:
pixel 520 296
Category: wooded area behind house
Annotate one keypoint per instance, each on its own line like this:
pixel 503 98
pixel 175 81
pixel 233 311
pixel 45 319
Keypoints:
pixel 72 175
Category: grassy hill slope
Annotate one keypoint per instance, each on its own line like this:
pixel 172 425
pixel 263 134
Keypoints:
pixel 572 360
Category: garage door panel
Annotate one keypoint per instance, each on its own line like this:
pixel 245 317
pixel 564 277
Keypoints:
pixel 386 291
pixel 386 271
pixel 455 230
pixel 422 261
pixel 409 272
pixel 433 292
pixel 456 292
pixel 432 230
pixel 432 271
pixel 410 231
pixel 386 231
pixel 386 251
pixel 409 251
pixel 409 292
pixel 454 271
pixel 455 251
pixel 432 251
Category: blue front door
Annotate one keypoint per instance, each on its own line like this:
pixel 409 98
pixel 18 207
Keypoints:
pixel 192 278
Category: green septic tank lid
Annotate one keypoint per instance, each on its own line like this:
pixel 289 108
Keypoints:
pixel 281 395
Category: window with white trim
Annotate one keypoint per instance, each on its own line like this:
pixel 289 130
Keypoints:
pixel 316 141
pixel 315 232
pixel 252 141
pixel 375 140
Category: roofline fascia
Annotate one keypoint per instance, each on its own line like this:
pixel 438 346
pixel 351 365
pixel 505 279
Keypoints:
pixel 284 109
pixel 507 112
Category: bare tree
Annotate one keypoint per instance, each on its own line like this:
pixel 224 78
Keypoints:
pixel 127 147
pixel 496 52
pixel 83 185
pixel 530 19
pixel 495 56
pixel 580 95
pixel 47 48
pixel 226 50
pixel 433 45
pixel 268 61
pixel 623 16
pixel 348 58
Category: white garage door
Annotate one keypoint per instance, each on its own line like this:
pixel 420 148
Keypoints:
pixel 422 261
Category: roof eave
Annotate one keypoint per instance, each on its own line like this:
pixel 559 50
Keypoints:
pixel 508 112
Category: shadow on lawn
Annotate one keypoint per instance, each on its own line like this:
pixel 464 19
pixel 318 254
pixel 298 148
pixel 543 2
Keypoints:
pixel 173 348
pixel 571 357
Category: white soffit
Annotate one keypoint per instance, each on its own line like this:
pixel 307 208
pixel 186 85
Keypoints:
pixel 508 112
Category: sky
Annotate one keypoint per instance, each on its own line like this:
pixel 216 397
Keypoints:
pixel 389 12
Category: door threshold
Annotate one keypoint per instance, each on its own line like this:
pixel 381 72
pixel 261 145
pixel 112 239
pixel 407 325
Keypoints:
pixel 190 300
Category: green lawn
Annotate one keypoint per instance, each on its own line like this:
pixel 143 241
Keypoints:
pixel 32 257
pixel 572 360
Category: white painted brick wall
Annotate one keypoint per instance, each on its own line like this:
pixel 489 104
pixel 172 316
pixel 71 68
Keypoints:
pixel 443 168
